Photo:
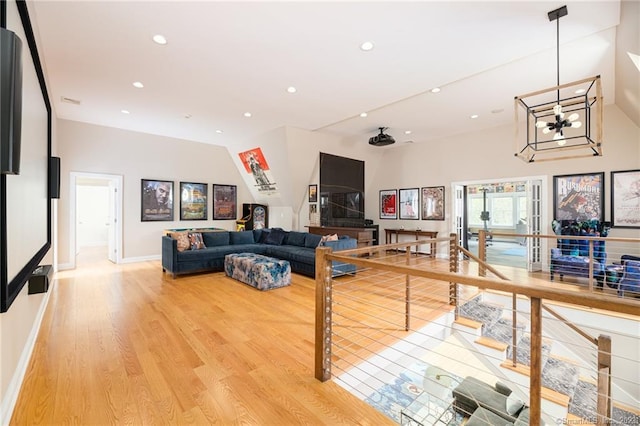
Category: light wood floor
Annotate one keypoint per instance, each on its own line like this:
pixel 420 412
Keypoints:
pixel 126 344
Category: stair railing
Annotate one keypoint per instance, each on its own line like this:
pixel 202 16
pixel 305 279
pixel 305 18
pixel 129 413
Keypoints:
pixel 602 343
pixel 324 283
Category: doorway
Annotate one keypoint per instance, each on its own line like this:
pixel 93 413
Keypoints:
pixel 508 206
pixel 95 224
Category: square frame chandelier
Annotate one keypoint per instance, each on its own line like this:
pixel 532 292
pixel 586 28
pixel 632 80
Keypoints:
pixel 561 122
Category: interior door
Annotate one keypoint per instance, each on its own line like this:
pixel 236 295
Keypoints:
pixel 460 215
pixel 112 221
pixel 534 249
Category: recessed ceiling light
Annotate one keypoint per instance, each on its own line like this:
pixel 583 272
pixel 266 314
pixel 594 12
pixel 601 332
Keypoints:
pixel 407 132
pixel 580 91
pixel 474 116
pixel 363 114
pixel 219 131
pixel 435 90
pixel 124 111
pixel 138 84
pixel 291 89
pixel 247 114
pixel 366 46
pixel 160 39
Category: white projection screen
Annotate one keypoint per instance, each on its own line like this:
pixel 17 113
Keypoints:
pixel 26 199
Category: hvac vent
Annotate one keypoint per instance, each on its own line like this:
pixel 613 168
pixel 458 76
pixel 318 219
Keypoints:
pixel 70 100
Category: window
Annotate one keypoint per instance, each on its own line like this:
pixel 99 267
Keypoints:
pixel 502 212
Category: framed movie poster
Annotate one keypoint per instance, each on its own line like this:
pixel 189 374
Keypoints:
pixel 224 202
pixel 313 193
pixel 156 200
pixel 579 197
pixel 193 201
pixel 433 203
pixel 409 201
pixel 625 199
pixel 388 204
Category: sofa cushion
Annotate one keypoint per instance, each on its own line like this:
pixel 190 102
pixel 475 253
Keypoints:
pixel 275 237
pixel 257 234
pixel 263 236
pixel 183 240
pixel 241 237
pixel 195 240
pixel 514 405
pixel 312 240
pixel 295 238
pixel 215 239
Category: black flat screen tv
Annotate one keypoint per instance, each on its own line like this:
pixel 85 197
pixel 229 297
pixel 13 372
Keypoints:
pixel 341 191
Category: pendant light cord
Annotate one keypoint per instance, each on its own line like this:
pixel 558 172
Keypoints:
pixel 558 57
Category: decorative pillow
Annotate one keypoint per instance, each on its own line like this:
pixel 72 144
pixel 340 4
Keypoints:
pixel 263 235
pixel 242 237
pixel 312 240
pixel 502 388
pixel 275 237
pixel 514 405
pixel 214 239
pixel 183 240
pixel 330 237
pixel 295 239
pixel 195 239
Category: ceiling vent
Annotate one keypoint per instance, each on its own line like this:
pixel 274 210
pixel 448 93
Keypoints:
pixel 69 100
pixel 381 139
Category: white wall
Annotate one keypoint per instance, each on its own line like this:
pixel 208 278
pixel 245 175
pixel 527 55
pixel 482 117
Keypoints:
pixel 97 149
pixel 489 155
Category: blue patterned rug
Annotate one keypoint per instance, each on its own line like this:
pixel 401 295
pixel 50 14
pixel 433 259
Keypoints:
pixel 392 398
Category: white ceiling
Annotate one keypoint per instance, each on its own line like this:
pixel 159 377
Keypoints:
pixel 226 58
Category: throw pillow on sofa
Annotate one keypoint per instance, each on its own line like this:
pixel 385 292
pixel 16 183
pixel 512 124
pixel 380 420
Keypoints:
pixel 275 237
pixel 195 241
pixel 183 240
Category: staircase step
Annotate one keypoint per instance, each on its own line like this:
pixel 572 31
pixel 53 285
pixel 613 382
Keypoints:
pixel 492 343
pixel 572 419
pixel 467 322
pixel 547 393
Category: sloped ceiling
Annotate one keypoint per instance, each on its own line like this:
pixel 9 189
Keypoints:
pixel 223 59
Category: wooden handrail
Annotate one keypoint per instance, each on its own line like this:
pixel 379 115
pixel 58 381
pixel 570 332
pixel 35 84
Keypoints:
pixel 571 325
pixel 540 290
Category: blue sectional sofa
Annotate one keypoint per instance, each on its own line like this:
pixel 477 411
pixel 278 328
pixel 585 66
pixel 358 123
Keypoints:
pixel 299 248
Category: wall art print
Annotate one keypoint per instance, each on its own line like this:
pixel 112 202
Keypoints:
pixel 579 197
pixel 193 201
pixel 409 203
pixel 433 203
pixel 156 200
pixel 224 202
pixel 388 204
pixel 256 165
pixel 625 199
pixel 313 193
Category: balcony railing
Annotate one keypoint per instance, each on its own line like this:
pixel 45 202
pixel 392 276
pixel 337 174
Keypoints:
pixel 390 321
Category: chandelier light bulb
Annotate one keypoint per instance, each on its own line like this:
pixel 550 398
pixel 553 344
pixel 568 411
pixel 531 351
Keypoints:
pixel 574 116
pixel 576 124
pixel 546 130
pixel 541 124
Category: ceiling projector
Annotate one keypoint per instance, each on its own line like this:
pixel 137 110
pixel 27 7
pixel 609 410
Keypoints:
pixel 381 139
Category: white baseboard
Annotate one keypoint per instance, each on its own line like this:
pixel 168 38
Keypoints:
pixel 141 258
pixel 13 390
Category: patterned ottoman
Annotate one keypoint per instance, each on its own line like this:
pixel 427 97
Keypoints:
pixel 261 272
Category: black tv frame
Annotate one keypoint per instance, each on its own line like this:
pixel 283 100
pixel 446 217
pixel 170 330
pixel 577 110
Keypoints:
pixel 10 290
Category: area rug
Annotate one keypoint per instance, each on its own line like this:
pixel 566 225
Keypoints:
pixel 392 398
